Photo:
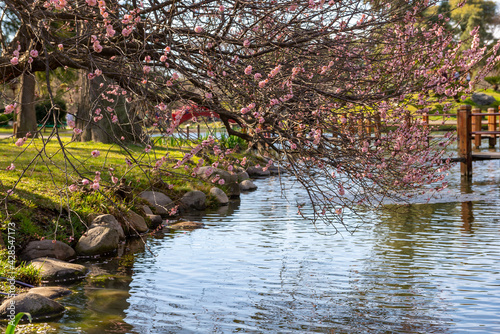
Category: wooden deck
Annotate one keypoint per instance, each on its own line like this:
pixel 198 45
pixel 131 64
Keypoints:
pixel 478 156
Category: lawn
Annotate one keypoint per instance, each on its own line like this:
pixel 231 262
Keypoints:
pixel 43 206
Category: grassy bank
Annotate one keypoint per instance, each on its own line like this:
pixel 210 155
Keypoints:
pixel 42 206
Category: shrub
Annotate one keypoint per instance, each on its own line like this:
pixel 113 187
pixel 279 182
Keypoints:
pixel 45 110
pixel 494 81
pixel 4 119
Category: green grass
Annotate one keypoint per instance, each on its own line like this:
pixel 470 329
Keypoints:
pixel 42 205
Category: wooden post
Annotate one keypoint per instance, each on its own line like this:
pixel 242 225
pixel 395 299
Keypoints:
pixel 198 130
pixel 187 132
pixel 361 121
pixel 378 125
pixel 464 127
pixel 477 120
pixel 492 126
pixel 425 119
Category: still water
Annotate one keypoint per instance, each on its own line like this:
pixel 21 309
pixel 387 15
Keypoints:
pixel 258 268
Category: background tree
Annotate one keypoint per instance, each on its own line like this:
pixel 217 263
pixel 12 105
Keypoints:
pixel 299 77
pixel 480 14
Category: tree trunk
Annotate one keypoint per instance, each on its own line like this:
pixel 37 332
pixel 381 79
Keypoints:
pixel 26 119
pixel 104 130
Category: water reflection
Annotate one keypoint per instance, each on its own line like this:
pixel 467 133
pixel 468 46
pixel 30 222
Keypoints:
pixel 257 267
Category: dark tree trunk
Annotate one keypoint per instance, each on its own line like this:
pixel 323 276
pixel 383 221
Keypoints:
pixel 26 119
pixel 104 130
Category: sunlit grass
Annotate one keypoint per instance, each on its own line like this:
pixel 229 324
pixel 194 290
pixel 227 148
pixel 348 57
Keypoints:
pixel 42 205
pixel 43 171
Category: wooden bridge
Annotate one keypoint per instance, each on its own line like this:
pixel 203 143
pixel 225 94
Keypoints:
pixel 469 125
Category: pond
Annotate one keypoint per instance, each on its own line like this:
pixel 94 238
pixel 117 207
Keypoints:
pixel 258 268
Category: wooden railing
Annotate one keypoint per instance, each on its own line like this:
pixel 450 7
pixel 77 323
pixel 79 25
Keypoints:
pixel 466 131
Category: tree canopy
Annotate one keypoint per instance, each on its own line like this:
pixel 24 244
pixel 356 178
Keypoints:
pixel 301 79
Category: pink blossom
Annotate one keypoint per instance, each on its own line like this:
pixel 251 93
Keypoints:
pixel 170 186
pixel 122 138
pixel 77 131
pixel 244 110
pixel 11 167
pixel 248 70
pixel 147 149
pixel 114 119
pixel 14 61
pixel 10 108
pixel 97 47
pixel 110 31
pixel 95 153
pixel 163 58
pixel 221 8
pixel 198 29
pixel 98 72
pixel 208 96
pixel 85 182
pixel 246 43
pixel 91 2
pixel 73 188
pixel 34 53
pixel 95 186
pixel 175 76
pixel 20 141
pixel 341 190
pixel 126 31
pixel 221 182
pixel 114 179
pixel 60 47
pixel 257 76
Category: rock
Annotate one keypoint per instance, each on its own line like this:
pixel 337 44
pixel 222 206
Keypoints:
pixel 36 305
pixel 110 222
pixel 228 178
pixel 194 200
pixel 220 195
pixel 98 240
pixel 147 210
pixel 108 302
pixel 160 202
pixel 47 248
pixel 108 281
pixel 186 225
pixel 51 292
pixel 254 171
pixel 243 176
pixel 154 221
pixel 275 170
pixel 137 223
pixel 57 270
pixel 482 99
pixel 247 185
pixel 233 190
